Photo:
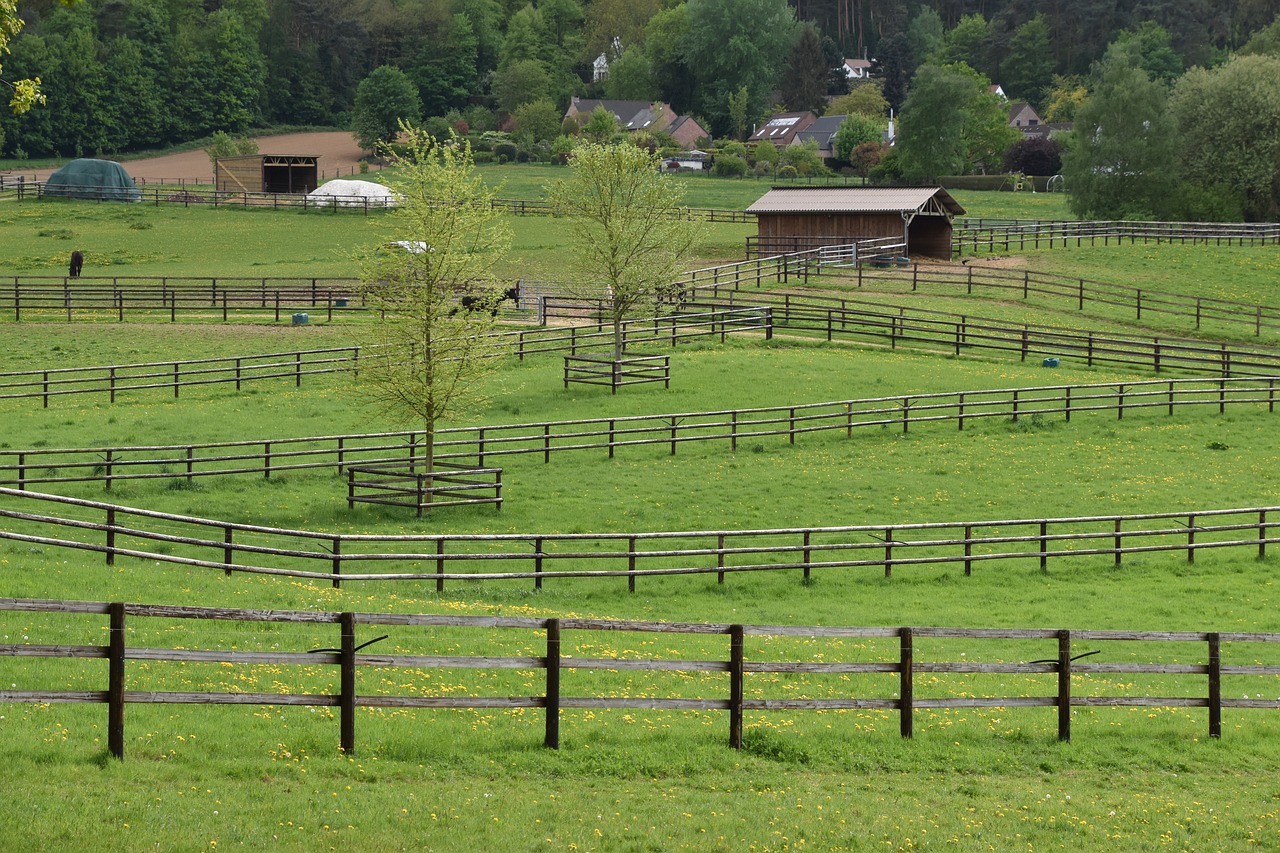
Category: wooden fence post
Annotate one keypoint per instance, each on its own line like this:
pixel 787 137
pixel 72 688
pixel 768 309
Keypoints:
pixel 631 564
pixel 1044 546
pixel 537 563
pixel 1064 686
pixel 720 558
pixel 552 739
pixel 440 565
pixel 115 680
pixel 906 688
pixel 111 536
pixel 806 554
pixel 1215 685
pixel 347 697
pixel 888 551
pixel 1262 534
pixel 1191 539
pixel 227 550
pixel 336 564
pixel 737 656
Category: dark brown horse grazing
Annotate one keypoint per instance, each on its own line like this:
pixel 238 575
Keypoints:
pixel 77 264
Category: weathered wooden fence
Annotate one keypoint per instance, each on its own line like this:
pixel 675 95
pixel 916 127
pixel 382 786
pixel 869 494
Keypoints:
pixel 1059 290
pixel 1064 683
pixel 146 297
pixel 988 235
pixel 112 380
pixel 24 468
pixel 835 318
pixel 118 531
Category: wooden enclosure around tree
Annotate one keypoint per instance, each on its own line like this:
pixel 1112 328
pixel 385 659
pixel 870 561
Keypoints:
pixel 631 369
pixel 402 484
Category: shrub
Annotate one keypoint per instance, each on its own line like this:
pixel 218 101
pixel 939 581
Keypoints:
pixel 1034 155
pixel 788 172
pixel 506 151
pixel 736 149
pixel 729 166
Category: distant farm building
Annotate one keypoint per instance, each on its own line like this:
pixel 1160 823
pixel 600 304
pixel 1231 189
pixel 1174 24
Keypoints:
pixel 266 173
pixel 794 219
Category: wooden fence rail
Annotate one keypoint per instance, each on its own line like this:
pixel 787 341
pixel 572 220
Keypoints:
pixel 148 297
pixel 1059 290
pixel 985 235
pixel 842 318
pixel 201 192
pixel 25 468
pixel 117 531
pixel 1065 683
pixel 112 380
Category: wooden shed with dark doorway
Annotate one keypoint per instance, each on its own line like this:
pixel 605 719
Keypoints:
pixel 795 219
pixel 266 173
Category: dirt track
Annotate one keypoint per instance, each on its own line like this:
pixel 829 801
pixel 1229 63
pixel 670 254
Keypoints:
pixel 337 152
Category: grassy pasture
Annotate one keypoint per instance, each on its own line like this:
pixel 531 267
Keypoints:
pixel 208 777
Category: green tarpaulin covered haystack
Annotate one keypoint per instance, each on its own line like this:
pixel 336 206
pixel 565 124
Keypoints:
pixel 105 180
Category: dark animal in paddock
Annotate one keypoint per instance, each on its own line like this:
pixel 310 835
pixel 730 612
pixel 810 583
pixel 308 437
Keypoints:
pixel 472 302
pixel 77 264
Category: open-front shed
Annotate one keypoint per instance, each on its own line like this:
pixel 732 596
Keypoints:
pixel 793 219
pixel 267 173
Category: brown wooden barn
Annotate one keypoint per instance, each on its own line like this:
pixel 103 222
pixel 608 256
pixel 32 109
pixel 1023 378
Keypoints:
pixel 266 173
pixel 793 219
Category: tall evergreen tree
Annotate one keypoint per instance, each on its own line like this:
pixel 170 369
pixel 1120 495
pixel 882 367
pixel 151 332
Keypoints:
pixel 804 81
pixel 1027 70
pixel 736 43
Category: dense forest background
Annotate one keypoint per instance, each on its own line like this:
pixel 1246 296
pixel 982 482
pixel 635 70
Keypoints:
pixel 124 75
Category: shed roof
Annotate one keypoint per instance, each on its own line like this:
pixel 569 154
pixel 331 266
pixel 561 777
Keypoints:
pixel 857 200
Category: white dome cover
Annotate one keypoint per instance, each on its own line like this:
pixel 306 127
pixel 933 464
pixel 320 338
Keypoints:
pixel 353 194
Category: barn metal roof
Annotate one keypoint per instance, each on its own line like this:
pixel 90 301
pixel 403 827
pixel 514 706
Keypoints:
pixel 927 200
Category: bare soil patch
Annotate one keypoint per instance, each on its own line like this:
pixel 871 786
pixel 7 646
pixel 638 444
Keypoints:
pixel 337 151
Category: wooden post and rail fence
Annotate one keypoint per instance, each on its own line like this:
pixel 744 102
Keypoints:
pixel 477 446
pixel 1188 667
pixel 116 531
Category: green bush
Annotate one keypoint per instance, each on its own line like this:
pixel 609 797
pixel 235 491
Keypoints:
pixel 729 166
pixel 506 151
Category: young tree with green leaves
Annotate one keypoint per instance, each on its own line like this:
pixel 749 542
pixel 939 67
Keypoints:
pixel 443 240
pixel 224 144
pixel 601 125
pixel 631 234
pixel 26 93
pixel 1121 163
pixel 1229 130
pixel 952 124
pixel 386 100
pixel 856 130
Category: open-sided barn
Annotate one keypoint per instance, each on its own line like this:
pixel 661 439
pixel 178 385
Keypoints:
pixel 793 219
pixel 266 173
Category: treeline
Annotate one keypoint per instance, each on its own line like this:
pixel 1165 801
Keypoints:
pixel 124 75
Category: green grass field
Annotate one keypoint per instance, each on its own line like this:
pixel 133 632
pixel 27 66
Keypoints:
pixel 205 777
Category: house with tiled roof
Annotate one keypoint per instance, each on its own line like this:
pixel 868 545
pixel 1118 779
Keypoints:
pixel 641 115
pixel 781 129
pixel 822 133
